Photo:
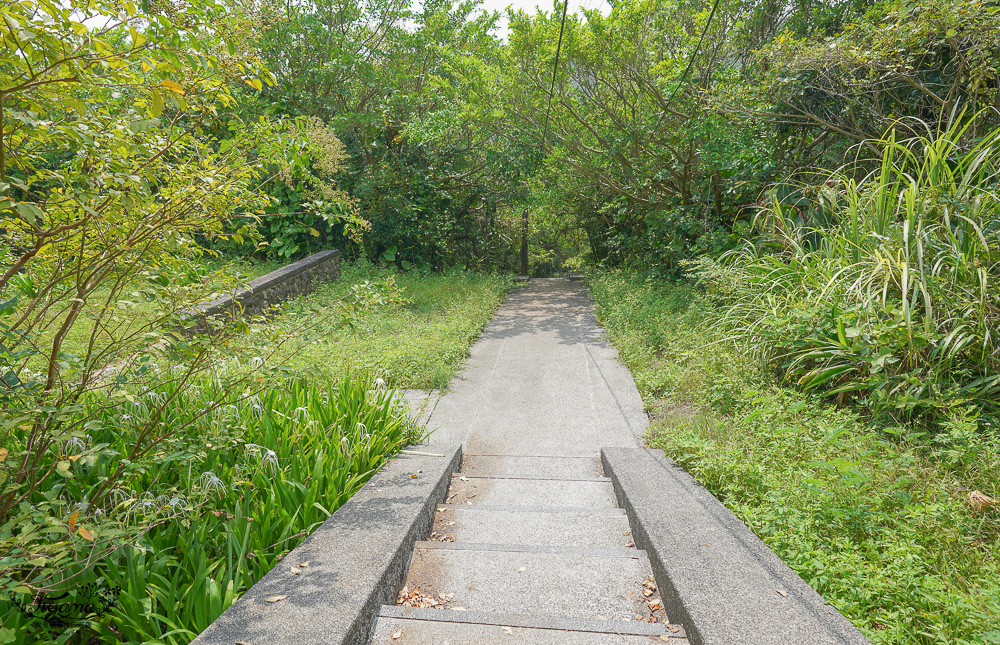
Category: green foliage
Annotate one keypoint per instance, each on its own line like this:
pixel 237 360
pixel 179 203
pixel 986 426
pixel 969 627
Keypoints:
pixel 876 520
pixel 887 289
pixel 417 341
pixel 425 186
pixel 242 479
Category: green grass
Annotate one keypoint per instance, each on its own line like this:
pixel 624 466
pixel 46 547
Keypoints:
pixel 419 343
pixel 238 466
pixel 130 310
pixel 875 518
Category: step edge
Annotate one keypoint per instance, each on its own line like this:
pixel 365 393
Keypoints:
pixel 557 623
pixel 596 510
pixel 548 478
pixel 599 551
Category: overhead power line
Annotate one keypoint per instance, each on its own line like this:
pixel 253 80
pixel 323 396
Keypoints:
pixel 693 55
pixel 555 68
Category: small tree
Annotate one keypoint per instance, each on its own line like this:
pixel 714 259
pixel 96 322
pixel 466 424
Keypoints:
pixel 109 174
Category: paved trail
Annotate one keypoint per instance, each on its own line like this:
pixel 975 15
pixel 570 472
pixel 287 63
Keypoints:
pixel 530 546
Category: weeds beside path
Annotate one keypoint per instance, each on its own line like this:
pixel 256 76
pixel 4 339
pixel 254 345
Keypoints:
pixel 419 343
pixel 877 523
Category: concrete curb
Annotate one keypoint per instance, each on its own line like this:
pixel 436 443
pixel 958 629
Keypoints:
pixel 357 562
pixel 715 576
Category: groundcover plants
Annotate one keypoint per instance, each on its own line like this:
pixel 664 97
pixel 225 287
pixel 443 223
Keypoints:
pixel 876 518
pixel 417 340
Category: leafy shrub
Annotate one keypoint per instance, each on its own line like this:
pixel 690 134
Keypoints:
pixel 893 298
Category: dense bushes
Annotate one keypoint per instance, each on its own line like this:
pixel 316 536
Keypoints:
pixel 885 289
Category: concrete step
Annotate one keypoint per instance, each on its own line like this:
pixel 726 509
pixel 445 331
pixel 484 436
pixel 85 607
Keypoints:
pixel 417 626
pixel 593 493
pixel 539 466
pixel 540 526
pixel 574 582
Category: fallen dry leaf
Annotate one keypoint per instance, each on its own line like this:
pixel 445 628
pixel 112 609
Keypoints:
pixel 784 594
pixel 980 501
pixel 507 630
pixel 521 570
pixel 673 629
pixel 295 570
pixel 664 637
pixel 463 478
pixel 413 476
pixel 416 598
pixel 397 635
pixel 242 643
pixel 305 564
pixel 459 609
pixel 275 598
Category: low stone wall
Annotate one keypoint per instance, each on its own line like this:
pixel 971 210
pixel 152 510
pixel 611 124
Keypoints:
pixel 269 290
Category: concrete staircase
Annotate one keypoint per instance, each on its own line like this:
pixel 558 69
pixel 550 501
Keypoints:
pixel 526 550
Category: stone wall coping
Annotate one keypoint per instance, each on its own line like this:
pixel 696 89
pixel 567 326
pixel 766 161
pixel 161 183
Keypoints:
pixel 716 577
pixel 264 292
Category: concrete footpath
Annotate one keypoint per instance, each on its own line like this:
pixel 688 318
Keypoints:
pixel 530 544
pixel 533 515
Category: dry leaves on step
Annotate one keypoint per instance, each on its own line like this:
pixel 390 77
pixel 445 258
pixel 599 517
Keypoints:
pixel 980 501
pixel 784 594
pixel 416 598
pixel 275 598
pixel 507 630
pixel 664 637
pixel 397 635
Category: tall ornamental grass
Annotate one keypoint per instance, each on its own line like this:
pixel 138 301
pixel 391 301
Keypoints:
pixel 187 529
pixel 888 289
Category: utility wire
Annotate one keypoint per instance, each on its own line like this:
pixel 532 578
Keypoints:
pixel 548 109
pixel 693 56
